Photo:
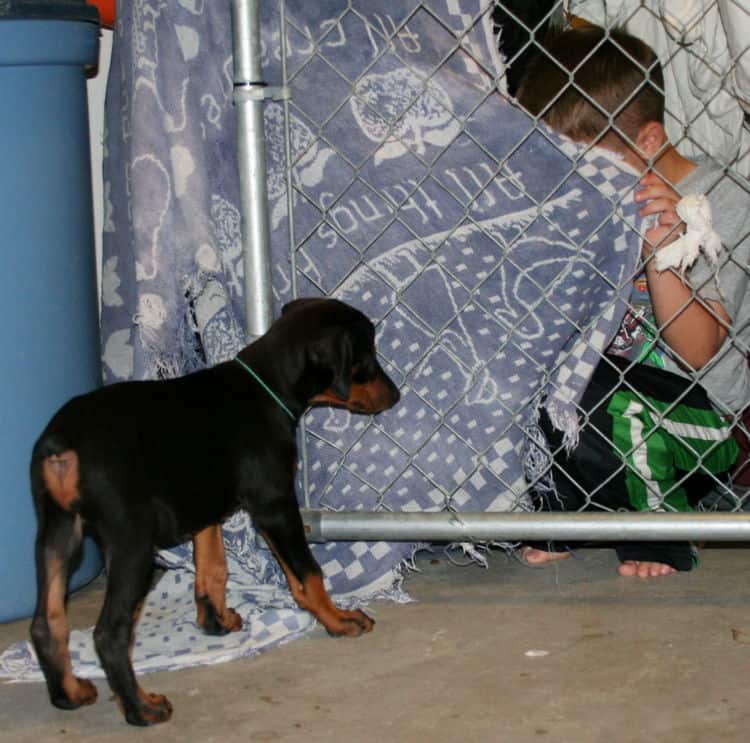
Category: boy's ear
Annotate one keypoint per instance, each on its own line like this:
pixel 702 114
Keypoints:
pixel 651 139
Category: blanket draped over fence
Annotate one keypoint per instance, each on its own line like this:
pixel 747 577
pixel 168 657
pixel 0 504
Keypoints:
pixel 493 256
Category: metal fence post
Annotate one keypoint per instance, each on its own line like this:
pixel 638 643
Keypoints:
pixel 249 94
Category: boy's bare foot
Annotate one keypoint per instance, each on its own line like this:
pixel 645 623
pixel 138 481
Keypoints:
pixel 628 569
pixel 533 556
pixel 643 569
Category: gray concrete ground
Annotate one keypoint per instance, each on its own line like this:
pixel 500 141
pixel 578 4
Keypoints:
pixel 567 653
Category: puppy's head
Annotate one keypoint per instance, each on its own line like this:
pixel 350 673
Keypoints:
pixel 340 363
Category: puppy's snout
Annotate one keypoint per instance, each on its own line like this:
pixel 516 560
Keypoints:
pixel 393 392
pixel 385 393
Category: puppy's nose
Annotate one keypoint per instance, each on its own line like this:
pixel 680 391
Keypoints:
pixel 393 392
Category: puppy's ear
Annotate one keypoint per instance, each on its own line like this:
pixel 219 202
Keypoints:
pixel 342 367
pixel 334 357
pixel 296 303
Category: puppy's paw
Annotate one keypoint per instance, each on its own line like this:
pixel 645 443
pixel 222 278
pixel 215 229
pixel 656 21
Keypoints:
pixel 77 694
pixel 215 622
pixel 350 624
pixel 152 709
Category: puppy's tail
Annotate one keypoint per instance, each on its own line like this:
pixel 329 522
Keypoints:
pixel 55 471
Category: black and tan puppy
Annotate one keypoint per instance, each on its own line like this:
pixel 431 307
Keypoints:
pixel 150 464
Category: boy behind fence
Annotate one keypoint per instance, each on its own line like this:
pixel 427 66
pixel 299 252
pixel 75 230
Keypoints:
pixel 658 412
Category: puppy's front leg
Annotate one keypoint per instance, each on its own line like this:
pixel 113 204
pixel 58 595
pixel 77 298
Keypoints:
pixel 281 525
pixel 211 583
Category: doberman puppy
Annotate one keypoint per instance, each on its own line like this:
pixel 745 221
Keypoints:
pixel 151 464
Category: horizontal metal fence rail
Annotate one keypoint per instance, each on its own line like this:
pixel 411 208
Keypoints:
pixel 444 526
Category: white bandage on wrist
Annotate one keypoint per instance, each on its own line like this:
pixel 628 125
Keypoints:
pixel 695 211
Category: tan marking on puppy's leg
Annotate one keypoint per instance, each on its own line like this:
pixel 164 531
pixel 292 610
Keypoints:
pixel 313 597
pixel 155 708
pixel 79 691
pixel 211 578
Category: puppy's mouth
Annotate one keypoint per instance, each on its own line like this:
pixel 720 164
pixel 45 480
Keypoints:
pixel 328 399
pixel 362 406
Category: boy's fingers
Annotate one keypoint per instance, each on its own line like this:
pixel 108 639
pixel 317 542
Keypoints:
pixel 669 219
pixel 653 179
pixel 659 236
pixel 656 206
pixel 657 192
pixel 652 185
pixel 649 178
pixel 651 182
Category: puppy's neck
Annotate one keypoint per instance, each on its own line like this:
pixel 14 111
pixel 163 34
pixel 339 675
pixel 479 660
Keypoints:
pixel 282 368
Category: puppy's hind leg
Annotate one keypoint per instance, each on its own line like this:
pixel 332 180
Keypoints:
pixel 130 563
pixel 58 539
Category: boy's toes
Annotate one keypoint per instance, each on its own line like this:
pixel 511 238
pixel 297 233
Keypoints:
pixel 644 569
pixel 628 569
pixel 534 556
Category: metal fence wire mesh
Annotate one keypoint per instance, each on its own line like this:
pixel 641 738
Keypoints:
pixel 497 258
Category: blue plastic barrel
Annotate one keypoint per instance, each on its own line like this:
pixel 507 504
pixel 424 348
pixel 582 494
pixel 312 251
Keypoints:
pixel 49 328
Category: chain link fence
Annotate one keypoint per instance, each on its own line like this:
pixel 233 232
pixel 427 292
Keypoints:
pixel 497 258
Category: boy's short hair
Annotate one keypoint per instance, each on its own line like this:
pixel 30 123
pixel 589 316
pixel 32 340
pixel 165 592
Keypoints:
pixel 616 80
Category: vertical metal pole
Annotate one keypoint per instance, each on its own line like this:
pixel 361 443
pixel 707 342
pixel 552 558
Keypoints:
pixel 249 96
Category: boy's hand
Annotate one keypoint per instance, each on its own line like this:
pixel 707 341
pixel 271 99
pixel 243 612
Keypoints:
pixel 658 197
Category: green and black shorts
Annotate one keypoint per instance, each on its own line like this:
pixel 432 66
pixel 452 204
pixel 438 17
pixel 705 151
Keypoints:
pixel 649 441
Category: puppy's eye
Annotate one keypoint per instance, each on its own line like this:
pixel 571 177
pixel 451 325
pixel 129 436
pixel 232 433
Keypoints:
pixel 363 371
pixel 358 375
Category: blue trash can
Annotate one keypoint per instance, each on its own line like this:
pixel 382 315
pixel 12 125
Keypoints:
pixel 49 332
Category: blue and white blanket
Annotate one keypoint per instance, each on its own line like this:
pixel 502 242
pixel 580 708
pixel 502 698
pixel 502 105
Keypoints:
pixel 495 267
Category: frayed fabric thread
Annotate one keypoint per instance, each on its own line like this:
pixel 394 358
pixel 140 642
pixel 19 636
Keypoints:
pixel 695 211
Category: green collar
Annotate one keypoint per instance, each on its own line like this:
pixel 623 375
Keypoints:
pixel 276 398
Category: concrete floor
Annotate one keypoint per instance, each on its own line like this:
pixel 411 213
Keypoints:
pixel 568 653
